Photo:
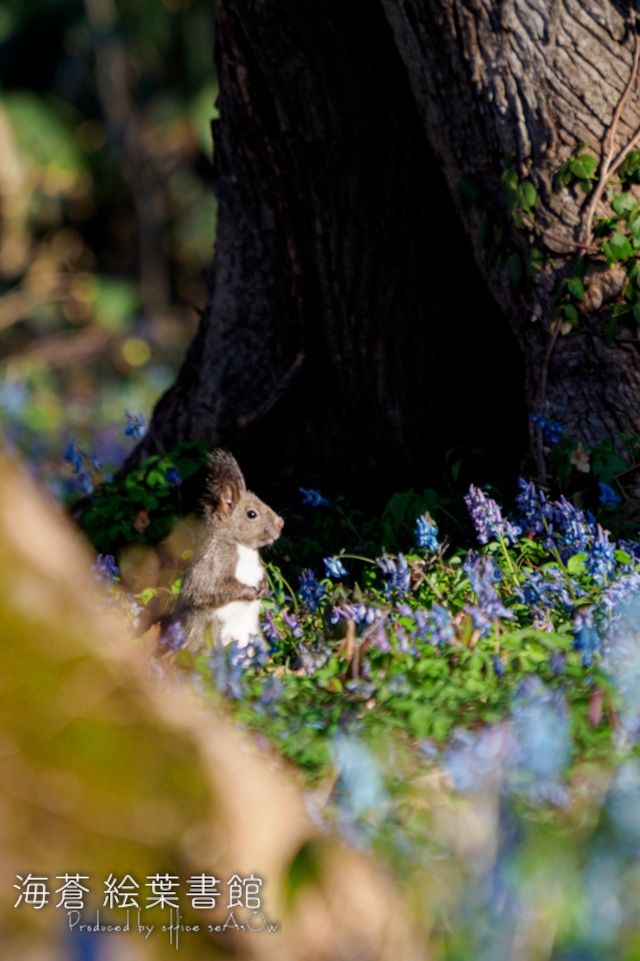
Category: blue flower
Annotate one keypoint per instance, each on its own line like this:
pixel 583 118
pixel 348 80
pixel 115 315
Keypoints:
pixel 426 533
pixel 311 591
pixel 228 665
pixel 498 666
pixel 358 613
pixel 437 627
pixel 601 560
pixel 173 476
pixel 105 569
pixel 269 628
pixel 588 636
pixel 292 623
pixel 576 528
pixel 398 575
pixel 552 431
pixel 136 426
pixel 77 460
pixel 174 637
pixel 487 518
pixel 533 508
pixel 312 660
pixel 483 574
pixel 334 567
pixel 542 591
pixel 271 690
pixel 608 497
pixel 313 497
pixel 73 455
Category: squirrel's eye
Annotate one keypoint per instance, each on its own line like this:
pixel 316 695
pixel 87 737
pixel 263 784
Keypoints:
pixel 251 514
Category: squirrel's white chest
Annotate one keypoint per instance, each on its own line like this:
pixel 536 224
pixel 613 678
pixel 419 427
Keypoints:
pixel 240 620
pixel 249 568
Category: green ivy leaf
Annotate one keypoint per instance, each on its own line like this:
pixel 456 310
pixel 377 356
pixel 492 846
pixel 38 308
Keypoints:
pixel 633 222
pixel 529 195
pixel 624 203
pixel 617 248
pixel 583 167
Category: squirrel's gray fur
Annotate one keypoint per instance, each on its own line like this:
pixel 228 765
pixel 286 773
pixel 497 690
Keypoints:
pixel 225 580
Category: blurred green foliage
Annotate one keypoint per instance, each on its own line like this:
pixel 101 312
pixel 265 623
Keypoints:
pixel 107 216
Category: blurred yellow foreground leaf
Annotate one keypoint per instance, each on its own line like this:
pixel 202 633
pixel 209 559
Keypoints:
pixel 109 771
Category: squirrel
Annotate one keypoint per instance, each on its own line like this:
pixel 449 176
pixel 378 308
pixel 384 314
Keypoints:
pixel 225 580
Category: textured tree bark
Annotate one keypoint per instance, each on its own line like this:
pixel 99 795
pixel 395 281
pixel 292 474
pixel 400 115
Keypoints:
pixel 349 339
pixel 535 79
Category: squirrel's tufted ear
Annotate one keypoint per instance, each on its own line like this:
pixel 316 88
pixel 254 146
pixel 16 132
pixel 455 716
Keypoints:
pixel 225 482
pixel 227 498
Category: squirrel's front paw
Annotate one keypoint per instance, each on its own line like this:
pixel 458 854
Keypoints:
pixel 263 588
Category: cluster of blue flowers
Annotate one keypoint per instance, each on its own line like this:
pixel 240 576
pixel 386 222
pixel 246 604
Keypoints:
pixel 83 466
pixel 360 614
pixel 87 468
pixel 136 426
pixel 426 533
pixel 487 518
pixel 398 575
pixel 227 666
pixel 334 567
pixel 552 431
pixel 105 570
pixel 542 591
pixel 433 626
pixel 311 591
pixel 484 574
pixel 313 497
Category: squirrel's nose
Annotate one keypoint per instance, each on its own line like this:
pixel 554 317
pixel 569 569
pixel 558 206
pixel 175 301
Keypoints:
pixel 279 523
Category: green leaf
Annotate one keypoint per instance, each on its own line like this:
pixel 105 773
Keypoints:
pixel 575 288
pixel 570 313
pixel 528 195
pixel 634 274
pixel 509 180
pixel 579 268
pixel 583 167
pixel 633 222
pixel 563 178
pixel 576 563
pixel 636 313
pixel 617 248
pixel 622 557
pixel 624 203
pixel 630 167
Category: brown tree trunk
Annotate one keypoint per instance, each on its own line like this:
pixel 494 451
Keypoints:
pixel 536 80
pixel 349 339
